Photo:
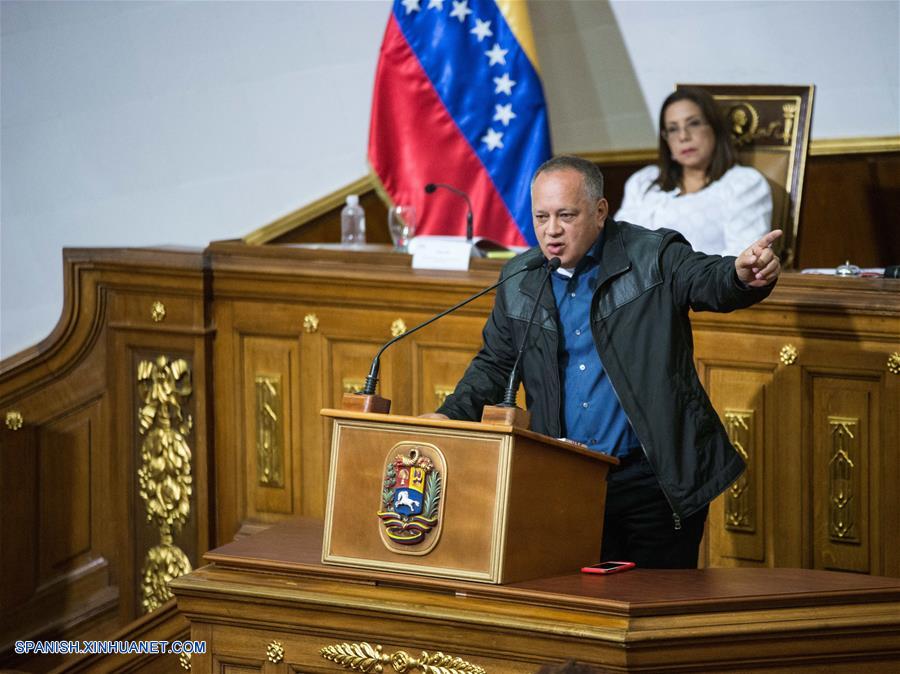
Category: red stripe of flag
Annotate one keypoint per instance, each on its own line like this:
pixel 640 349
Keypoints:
pixel 414 140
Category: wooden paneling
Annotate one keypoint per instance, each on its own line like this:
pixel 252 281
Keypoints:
pixel 165 624
pixel 271 438
pixel 18 525
pixel 739 521
pixel 71 527
pixel 820 378
pixel 64 485
pixel 841 329
pixel 845 495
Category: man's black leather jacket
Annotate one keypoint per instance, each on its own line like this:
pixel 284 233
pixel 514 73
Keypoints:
pixel 639 318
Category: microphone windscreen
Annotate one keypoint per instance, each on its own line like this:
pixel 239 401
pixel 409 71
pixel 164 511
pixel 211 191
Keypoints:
pixel 430 187
pixel 536 263
pixel 554 264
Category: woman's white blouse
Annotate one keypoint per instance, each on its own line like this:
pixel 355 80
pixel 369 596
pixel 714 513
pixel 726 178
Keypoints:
pixel 723 218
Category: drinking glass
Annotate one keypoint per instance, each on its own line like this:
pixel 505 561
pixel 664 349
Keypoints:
pixel 402 223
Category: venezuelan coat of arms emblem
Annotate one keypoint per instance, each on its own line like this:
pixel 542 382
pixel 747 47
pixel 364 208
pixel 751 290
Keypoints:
pixel 411 497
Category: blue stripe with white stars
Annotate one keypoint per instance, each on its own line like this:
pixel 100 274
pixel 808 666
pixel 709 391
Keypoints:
pixel 489 86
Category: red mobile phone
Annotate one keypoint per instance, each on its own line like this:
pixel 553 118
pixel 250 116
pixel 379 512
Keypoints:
pixel 608 567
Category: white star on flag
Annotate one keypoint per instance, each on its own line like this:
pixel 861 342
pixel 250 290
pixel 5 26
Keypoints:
pixel 504 84
pixel 461 10
pixel 411 5
pixel 503 113
pixel 497 55
pixel 436 4
pixel 482 29
pixel 493 139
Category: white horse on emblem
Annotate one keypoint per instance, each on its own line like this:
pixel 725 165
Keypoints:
pixel 403 499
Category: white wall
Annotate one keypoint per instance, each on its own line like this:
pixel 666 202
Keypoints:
pixel 849 49
pixel 141 123
pixel 608 66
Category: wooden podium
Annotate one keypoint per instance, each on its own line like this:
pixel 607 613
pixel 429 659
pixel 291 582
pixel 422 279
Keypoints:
pixel 469 501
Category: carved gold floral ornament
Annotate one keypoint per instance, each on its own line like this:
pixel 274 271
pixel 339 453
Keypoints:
pixel 893 363
pixel 788 354
pixel 364 657
pixel 158 311
pixel 14 420
pixel 311 323
pixel 275 652
pixel 164 477
pixel 398 327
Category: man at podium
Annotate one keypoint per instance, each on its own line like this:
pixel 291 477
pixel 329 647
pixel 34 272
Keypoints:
pixel 609 359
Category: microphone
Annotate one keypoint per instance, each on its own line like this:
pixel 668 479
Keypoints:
pixel 372 377
pixel 509 396
pixel 470 228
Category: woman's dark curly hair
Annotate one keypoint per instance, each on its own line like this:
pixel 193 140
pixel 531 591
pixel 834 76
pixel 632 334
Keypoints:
pixel 670 171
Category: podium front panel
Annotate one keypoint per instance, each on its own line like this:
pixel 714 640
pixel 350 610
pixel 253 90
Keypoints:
pixel 470 531
pixel 461 500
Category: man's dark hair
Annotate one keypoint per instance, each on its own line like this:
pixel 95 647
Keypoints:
pixel 593 178
pixel 670 171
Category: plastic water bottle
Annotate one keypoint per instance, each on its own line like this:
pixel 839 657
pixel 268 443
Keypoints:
pixel 353 222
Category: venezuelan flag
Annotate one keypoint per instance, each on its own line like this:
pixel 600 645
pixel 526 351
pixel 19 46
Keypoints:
pixel 458 100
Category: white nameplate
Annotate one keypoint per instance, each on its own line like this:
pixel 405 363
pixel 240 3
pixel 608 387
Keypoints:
pixel 440 252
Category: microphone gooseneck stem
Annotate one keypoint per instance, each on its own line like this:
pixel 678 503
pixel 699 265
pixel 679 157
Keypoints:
pixel 372 377
pixel 470 218
pixel 509 396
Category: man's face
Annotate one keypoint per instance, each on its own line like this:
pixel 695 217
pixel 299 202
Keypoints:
pixel 566 223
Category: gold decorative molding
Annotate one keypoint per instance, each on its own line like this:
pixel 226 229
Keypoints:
pixel 185 661
pixel 821 147
pixel 441 393
pixel 14 420
pixel 269 450
pixel 275 652
pixel 647 155
pixel 164 477
pixel 843 479
pixel 398 327
pixel 364 657
pixel 740 501
pixel 303 215
pixel 349 385
pixel 311 323
pixel 788 354
pixel 158 311
pixel 893 365
pixel 789 111
pixel 824 147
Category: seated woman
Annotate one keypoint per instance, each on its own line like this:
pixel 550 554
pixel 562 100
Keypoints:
pixel 698 188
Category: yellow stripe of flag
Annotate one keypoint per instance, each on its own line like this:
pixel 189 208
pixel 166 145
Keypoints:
pixel 516 14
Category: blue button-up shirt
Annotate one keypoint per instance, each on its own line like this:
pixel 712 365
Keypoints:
pixel 592 414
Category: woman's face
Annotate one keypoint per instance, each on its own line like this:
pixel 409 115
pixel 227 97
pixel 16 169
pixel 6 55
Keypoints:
pixel 691 139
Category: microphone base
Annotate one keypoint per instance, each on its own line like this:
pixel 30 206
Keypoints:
pixel 360 402
pixel 506 416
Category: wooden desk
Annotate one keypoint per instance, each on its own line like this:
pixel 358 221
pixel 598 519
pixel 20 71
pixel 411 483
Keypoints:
pixel 271 588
